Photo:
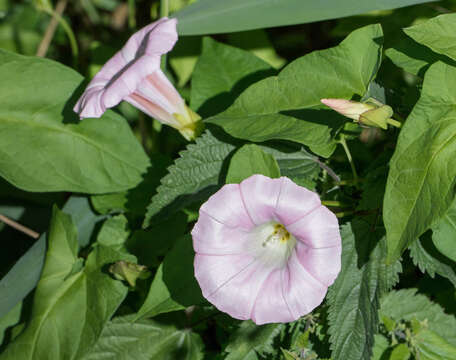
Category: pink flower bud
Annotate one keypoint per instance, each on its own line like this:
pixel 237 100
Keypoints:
pixel 266 250
pixel 133 74
pixel 348 108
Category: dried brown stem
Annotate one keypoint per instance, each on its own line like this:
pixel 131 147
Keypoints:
pixel 19 227
pixel 51 28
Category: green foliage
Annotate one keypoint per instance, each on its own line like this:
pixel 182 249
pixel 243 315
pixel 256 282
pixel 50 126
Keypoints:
pixel 123 339
pixel 174 286
pixel 432 331
pixel 287 106
pixel 250 340
pixel 42 150
pixel 429 260
pixel 354 297
pixel 249 160
pixel 208 17
pixel 444 233
pixel 222 72
pixel 438 33
pixel 420 189
pixel 71 303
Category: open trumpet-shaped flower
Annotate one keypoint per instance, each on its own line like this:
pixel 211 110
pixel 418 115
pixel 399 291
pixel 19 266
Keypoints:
pixel 266 250
pixel 133 74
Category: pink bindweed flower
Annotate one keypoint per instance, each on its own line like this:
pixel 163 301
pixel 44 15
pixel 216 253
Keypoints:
pixel 266 250
pixel 133 74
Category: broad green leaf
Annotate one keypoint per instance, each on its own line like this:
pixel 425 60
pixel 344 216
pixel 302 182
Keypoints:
pixel 288 107
pixel 222 16
pixel 407 305
pixel 422 176
pixel 42 150
pixel 114 233
pixel 24 275
pixel 183 58
pixel 425 255
pixel 221 74
pixel 414 57
pixel 72 302
pixel 196 174
pixel 250 160
pixel 250 339
pixel 123 339
pixel 400 352
pixel 354 297
pixel 444 233
pixel 174 286
pixel 438 33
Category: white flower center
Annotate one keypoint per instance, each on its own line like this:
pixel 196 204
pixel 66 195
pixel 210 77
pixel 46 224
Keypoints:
pixel 272 244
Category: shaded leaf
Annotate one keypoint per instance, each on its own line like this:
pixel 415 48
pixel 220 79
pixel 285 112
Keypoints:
pixel 444 233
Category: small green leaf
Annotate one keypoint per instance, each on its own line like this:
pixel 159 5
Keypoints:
pixel 438 33
pixel 354 297
pixel 381 344
pixel 444 233
pixel 114 233
pixel 400 352
pixel 250 160
pixel 422 177
pixel 69 309
pixel 123 339
pixel 287 106
pixel 43 145
pixel 174 286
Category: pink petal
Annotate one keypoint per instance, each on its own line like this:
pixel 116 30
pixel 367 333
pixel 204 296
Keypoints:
pixel 318 229
pixel 230 282
pixel 227 207
pixel 270 305
pixel 302 291
pixel 323 264
pixel 260 195
pixel 295 202
pixel 212 237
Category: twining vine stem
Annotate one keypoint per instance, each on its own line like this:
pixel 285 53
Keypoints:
pixel 343 142
pixel 19 227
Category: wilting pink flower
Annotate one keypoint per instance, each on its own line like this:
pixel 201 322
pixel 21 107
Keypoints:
pixel 266 250
pixel 348 108
pixel 133 74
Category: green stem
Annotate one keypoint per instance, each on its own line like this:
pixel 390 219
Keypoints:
pixel 344 213
pixel 131 14
pixel 394 123
pixel 343 142
pixel 334 203
pixel 62 22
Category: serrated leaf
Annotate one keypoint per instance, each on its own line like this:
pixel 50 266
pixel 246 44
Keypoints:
pixel 381 344
pixel 221 74
pixel 70 307
pixel 438 33
pixel 444 233
pixel 42 150
pixel 431 346
pixel 197 168
pixel 123 339
pixel 287 106
pixel 422 176
pixel 407 305
pixel 249 339
pixel 354 297
pixel 250 160
pixel 429 260
pixel 174 286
